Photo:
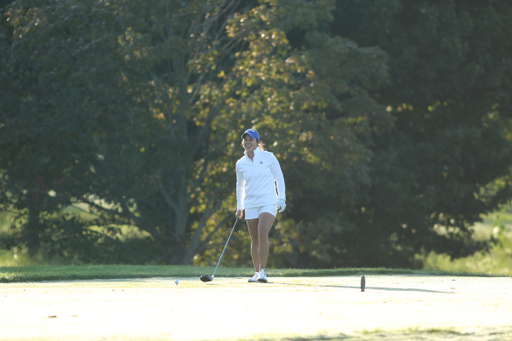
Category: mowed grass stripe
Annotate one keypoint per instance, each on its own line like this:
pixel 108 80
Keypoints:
pixel 18 274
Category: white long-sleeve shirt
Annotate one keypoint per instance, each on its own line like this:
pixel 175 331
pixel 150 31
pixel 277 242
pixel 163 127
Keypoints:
pixel 256 179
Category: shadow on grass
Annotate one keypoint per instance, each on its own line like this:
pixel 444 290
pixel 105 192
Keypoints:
pixel 366 288
pixel 433 334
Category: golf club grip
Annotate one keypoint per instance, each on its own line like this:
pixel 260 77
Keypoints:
pixel 236 221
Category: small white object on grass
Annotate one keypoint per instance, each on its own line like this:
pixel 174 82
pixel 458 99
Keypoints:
pixel 176 281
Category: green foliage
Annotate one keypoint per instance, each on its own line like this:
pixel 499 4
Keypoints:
pixel 61 89
pixel 391 120
pixel 71 239
pixel 497 259
pixel 135 109
pixel 449 95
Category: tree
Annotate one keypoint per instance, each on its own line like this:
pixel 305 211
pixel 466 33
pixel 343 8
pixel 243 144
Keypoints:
pixel 164 92
pixel 448 158
pixel 55 88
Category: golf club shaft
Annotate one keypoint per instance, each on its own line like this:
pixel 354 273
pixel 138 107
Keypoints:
pixel 236 221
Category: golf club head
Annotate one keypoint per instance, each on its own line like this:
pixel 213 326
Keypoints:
pixel 206 278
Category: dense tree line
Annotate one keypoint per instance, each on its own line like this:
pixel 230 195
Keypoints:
pixel 390 119
pixel 448 157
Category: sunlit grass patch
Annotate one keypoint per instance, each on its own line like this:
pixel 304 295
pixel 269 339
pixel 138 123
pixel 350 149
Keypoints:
pixel 496 226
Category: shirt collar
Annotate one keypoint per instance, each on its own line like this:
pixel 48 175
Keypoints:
pixel 256 152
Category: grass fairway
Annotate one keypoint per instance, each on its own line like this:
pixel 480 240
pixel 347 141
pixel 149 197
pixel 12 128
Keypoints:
pixel 107 303
pixel 10 274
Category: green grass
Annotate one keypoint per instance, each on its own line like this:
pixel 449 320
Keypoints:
pixel 497 260
pixel 13 274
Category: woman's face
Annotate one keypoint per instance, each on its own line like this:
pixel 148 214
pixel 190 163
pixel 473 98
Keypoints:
pixel 249 143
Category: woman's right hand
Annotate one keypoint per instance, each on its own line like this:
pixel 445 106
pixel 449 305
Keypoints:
pixel 239 214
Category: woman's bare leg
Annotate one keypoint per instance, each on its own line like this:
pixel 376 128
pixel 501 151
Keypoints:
pixel 252 225
pixel 259 230
pixel 265 222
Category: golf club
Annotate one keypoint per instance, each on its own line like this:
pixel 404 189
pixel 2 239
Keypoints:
pixel 208 278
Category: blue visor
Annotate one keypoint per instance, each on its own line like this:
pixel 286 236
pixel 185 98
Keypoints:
pixel 252 133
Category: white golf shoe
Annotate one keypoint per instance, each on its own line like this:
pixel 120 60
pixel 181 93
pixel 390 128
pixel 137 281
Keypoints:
pixel 262 278
pixel 254 278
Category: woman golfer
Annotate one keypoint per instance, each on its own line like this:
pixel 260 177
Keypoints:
pixel 257 172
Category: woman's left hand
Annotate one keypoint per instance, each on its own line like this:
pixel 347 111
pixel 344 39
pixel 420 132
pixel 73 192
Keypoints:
pixel 281 205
